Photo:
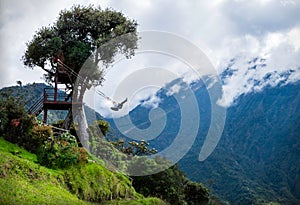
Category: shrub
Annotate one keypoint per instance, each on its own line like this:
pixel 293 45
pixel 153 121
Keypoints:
pixel 167 184
pixel 112 157
pixel 39 135
pixel 83 155
pixel 61 152
pixel 15 123
pixel 196 193
pixel 99 128
pixel 134 148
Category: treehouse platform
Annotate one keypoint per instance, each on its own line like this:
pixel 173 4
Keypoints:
pixel 57 100
pixel 52 99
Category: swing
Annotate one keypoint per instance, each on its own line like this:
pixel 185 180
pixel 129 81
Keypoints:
pixel 118 106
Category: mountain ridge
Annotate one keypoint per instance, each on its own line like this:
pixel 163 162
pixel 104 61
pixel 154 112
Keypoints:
pixel 249 165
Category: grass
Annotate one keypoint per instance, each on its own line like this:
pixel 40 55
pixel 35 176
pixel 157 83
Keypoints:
pixel 146 201
pixel 16 150
pixel 21 191
pixel 23 181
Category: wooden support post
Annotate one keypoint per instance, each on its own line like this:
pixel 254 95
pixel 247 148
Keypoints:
pixel 45 115
pixel 55 88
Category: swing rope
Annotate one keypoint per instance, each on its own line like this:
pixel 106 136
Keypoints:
pixel 72 72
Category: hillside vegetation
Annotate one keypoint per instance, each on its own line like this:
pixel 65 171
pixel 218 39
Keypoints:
pixel 52 168
pixel 23 181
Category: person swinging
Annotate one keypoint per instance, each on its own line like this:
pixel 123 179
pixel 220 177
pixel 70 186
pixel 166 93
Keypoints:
pixel 118 106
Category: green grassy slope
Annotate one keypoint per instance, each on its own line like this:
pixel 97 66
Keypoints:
pixel 23 181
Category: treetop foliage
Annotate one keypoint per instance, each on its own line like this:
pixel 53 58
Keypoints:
pixel 75 37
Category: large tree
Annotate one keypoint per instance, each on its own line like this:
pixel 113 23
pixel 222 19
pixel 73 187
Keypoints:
pixel 83 36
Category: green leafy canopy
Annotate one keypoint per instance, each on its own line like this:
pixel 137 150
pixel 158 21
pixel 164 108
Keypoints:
pixel 77 34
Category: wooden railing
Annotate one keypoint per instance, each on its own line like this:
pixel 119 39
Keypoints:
pixel 51 96
pixel 37 107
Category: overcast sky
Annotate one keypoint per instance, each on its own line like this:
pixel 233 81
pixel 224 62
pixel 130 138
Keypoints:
pixel 223 29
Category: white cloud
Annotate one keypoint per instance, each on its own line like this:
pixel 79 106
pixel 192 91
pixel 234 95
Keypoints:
pixel 257 17
pixel 152 102
pixel 224 29
pixel 174 89
pixel 281 55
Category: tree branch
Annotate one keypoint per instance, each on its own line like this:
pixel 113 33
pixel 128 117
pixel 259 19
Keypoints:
pixel 96 57
pixel 48 71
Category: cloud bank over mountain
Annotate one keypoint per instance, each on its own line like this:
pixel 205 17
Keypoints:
pixel 230 33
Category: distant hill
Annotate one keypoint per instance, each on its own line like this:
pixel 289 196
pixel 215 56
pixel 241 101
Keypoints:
pixel 258 157
pixel 28 93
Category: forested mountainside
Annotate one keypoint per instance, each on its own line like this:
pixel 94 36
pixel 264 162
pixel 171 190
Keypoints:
pixel 258 157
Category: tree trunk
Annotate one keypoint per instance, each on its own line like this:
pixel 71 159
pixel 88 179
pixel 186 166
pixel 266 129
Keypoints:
pixel 68 120
pixel 82 128
pixel 81 119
